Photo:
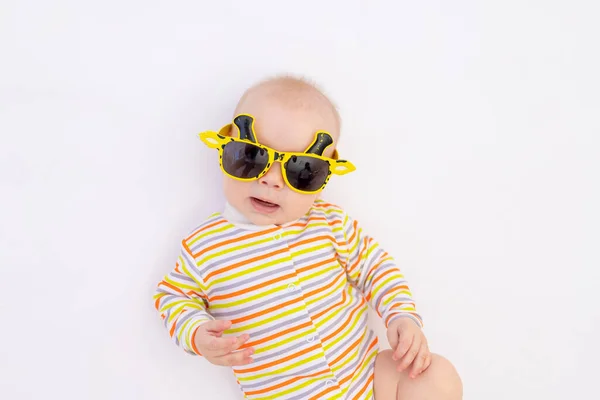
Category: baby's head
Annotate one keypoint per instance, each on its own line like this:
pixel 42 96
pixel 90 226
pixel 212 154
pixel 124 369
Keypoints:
pixel 287 113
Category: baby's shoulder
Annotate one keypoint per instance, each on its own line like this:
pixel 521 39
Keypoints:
pixel 332 213
pixel 211 230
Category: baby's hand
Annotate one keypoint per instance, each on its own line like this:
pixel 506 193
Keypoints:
pixel 409 346
pixel 219 350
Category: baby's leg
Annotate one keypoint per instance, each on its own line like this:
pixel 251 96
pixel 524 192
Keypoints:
pixel 439 382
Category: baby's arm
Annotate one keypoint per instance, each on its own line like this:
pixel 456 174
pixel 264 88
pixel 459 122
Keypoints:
pixel 183 304
pixel 181 301
pixel 373 271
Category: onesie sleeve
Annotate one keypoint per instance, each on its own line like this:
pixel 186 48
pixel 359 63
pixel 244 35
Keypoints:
pixel 374 272
pixel 181 301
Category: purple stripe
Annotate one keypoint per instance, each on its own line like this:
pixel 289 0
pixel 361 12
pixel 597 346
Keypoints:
pixel 307 371
pixel 330 277
pixel 352 336
pixel 210 239
pixel 357 385
pixel 253 278
pixel 312 232
pixel 338 321
pixel 254 307
pixel 283 324
pixel 239 256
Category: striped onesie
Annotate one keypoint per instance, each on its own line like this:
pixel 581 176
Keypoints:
pixel 300 290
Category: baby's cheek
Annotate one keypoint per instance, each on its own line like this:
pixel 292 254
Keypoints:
pixel 299 204
pixel 235 191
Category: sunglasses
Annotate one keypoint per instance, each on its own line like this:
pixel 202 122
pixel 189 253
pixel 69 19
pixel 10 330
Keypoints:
pixel 245 159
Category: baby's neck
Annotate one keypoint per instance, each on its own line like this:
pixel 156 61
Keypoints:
pixel 233 215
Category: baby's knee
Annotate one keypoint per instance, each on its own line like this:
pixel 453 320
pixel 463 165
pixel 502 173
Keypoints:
pixel 446 378
pixel 439 382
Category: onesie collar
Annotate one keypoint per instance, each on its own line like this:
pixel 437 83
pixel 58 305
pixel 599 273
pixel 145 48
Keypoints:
pixel 234 216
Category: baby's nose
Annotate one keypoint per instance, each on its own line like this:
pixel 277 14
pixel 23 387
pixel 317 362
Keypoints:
pixel 273 178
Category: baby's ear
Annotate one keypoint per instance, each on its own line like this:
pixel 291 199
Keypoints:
pixel 227 130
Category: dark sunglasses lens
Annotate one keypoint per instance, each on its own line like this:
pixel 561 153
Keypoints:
pixel 244 160
pixel 306 173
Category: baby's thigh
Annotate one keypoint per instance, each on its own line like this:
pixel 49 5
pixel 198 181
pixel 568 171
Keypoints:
pixel 438 382
pixel 386 377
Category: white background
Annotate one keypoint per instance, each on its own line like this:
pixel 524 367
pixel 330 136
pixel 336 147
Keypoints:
pixel 483 130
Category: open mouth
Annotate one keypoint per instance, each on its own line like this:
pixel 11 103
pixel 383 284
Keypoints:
pixel 263 205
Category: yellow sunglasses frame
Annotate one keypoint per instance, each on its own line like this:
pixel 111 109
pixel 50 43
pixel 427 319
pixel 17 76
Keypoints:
pixel 218 141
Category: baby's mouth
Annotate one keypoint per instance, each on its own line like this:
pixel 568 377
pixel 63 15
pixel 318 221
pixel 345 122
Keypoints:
pixel 263 205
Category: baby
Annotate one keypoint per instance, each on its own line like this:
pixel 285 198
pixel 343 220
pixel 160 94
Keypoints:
pixel 277 285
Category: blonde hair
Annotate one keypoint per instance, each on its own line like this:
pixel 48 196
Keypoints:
pixel 296 91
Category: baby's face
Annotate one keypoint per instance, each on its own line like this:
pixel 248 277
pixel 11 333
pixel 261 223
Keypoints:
pixel 269 200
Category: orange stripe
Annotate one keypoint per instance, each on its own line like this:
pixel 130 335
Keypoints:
pixel 370 294
pixel 310 240
pixel 376 265
pixel 384 274
pixel 359 259
pixel 391 291
pixel 318 315
pixel 234 240
pixel 206 227
pixel 379 278
pixel 192 292
pixel 268 310
pixel 194 341
pixel 349 349
pixel 279 334
pixel 323 288
pixel 323 204
pixel 387 294
pixel 167 284
pixel 362 361
pixel 324 392
pixel 396 305
pixel 320 263
pixel 308 221
pixel 282 384
pixel 172 331
pixel 245 262
pixel 345 324
pixel 354 231
pixel 364 388
pixel 250 289
pixel 282 360
pixel 314 219
pixel 382 258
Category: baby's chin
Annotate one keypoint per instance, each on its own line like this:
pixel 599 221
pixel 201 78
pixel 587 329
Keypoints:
pixel 277 218
pixel 263 220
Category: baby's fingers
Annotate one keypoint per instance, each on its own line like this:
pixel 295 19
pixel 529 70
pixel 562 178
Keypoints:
pixel 217 346
pixel 217 326
pixel 405 342
pixel 410 354
pixel 223 346
pixel 241 357
pixel 422 361
pixel 239 341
